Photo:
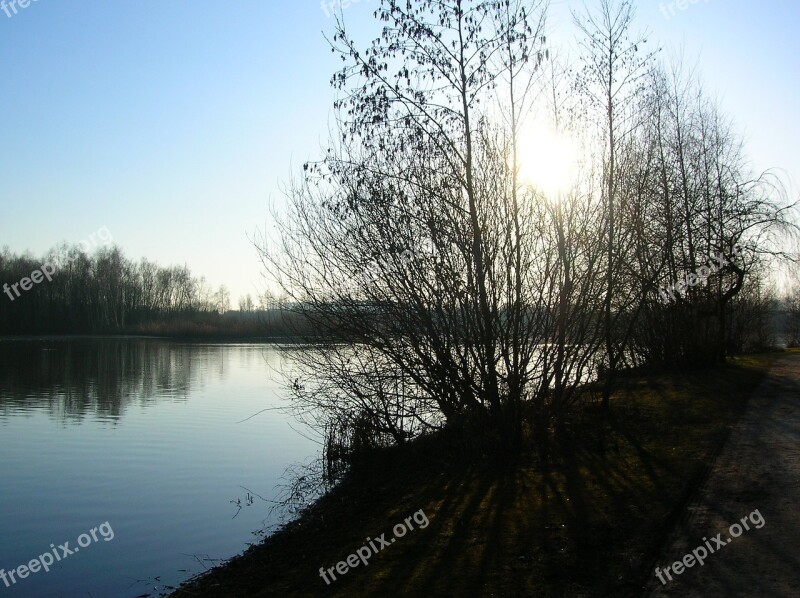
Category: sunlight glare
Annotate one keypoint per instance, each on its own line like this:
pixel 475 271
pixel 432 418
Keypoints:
pixel 547 159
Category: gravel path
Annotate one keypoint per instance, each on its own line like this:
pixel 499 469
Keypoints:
pixel 757 477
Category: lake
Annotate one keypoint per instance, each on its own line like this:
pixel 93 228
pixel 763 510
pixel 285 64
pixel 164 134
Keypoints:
pixel 147 436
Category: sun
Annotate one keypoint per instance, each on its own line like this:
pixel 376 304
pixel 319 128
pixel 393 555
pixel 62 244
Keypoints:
pixel 547 159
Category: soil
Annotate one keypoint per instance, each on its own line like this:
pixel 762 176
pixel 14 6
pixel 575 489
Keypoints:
pixel 757 470
pixel 589 517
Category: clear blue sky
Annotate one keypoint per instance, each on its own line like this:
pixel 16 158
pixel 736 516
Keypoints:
pixel 176 123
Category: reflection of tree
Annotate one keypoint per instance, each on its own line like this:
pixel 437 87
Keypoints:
pixel 75 377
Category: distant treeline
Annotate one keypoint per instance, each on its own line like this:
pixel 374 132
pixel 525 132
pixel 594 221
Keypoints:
pixel 108 293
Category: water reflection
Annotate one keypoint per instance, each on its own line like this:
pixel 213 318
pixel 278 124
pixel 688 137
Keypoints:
pixel 158 437
pixel 73 378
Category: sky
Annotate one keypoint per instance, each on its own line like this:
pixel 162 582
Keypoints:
pixel 177 125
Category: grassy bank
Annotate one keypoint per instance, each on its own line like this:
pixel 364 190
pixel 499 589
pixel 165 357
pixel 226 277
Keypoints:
pixel 586 519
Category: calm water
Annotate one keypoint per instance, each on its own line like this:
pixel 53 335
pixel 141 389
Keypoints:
pixel 141 434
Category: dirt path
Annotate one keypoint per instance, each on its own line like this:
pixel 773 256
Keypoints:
pixel 757 470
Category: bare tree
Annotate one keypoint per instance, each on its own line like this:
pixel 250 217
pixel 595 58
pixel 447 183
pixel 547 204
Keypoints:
pixel 716 224
pixel 611 81
pixel 435 290
pixel 414 246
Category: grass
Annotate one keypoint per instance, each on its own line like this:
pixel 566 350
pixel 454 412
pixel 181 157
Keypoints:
pixel 588 519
